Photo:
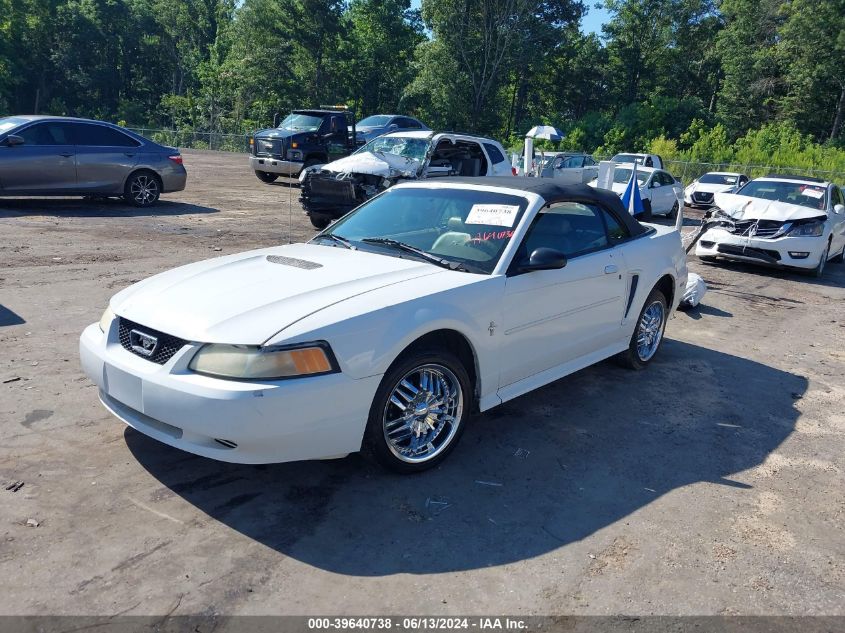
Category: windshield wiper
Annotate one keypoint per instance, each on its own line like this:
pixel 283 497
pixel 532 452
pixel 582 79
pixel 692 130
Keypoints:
pixel 337 238
pixel 434 259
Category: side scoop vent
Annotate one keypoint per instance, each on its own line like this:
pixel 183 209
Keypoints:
pixel 293 262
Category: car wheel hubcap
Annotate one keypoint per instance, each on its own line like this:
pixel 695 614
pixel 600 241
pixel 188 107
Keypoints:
pixel 423 413
pixel 144 189
pixel 650 330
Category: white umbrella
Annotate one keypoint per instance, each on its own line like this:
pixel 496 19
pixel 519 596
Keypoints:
pixel 545 132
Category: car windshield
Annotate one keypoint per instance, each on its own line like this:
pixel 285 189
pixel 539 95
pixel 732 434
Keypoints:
pixel 627 158
pixel 414 148
pixel 718 179
pixel 465 227
pixel 804 194
pixel 9 122
pixel 301 123
pixel 623 175
pixel 377 120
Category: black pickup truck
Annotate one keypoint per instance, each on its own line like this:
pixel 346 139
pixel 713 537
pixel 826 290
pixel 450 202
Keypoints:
pixel 303 138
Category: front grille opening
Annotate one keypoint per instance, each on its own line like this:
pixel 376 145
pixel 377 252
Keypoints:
pixel 166 346
pixel 747 251
pixel 226 443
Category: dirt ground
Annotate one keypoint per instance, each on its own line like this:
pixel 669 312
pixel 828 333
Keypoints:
pixel 712 483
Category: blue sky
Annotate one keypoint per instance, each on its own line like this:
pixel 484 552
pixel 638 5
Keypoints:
pixel 590 24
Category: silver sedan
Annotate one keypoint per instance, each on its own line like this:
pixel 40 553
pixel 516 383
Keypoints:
pixel 60 156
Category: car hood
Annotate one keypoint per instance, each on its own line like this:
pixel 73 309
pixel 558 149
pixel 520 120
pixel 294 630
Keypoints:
pixel 277 133
pixel 706 187
pixel 376 164
pixel 249 297
pixel 616 187
pixel 748 208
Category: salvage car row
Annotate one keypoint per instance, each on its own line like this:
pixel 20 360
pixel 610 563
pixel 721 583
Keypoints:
pixel 433 298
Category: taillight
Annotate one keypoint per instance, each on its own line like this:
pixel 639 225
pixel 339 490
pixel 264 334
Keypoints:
pixel 514 171
pixel 176 158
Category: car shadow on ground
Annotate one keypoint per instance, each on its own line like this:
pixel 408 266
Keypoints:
pixel 833 276
pixel 7 317
pixel 82 208
pixel 529 477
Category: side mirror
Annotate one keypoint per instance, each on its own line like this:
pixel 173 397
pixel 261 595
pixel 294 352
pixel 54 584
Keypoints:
pixel 544 259
pixel 12 140
pixel 654 184
pixel 392 126
pixel 839 208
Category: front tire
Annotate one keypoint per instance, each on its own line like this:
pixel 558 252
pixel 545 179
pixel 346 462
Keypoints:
pixel 419 411
pixel 839 258
pixel 142 189
pixel 818 271
pixel 266 176
pixel 648 333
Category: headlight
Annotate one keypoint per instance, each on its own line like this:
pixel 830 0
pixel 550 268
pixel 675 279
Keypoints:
pixel 106 319
pixel 250 362
pixel 808 229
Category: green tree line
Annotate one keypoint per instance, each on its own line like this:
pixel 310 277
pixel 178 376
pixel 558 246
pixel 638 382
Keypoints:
pixel 709 80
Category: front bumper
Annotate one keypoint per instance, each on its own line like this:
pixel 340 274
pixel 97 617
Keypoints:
pixel 698 200
pixel 324 195
pixel 233 421
pixel 275 166
pixel 718 242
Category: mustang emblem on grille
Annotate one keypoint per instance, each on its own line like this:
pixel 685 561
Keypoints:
pixel 143 343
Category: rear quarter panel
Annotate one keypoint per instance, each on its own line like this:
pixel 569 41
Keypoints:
pixel 651 257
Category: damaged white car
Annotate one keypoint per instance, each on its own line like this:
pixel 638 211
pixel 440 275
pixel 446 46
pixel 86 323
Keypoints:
pixel 435 299
pixel 332 190
pixel 784 221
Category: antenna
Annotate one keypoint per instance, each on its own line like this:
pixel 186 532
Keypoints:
pixel 290 210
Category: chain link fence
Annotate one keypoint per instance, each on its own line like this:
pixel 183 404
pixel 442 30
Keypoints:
pixel 685 171
pixel 187 139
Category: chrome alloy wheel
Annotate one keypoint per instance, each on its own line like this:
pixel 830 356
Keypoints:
pixel 423 413
pixel 144 190
pixel 650 330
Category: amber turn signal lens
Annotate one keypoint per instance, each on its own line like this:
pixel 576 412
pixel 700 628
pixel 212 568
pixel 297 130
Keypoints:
pixel 312 360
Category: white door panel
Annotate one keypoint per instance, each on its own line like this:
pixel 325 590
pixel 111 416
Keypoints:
pixel 553 316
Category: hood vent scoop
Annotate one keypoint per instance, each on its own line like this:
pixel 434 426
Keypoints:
pixel 292 261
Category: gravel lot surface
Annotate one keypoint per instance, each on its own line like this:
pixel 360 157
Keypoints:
pixel 712 483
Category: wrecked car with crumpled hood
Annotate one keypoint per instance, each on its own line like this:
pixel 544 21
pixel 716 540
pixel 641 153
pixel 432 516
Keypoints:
pixel 330 191
pixel 785 221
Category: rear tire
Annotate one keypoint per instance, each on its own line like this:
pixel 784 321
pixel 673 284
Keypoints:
pixel 142 189
pixel 266 176
pixel 648 333
pixel 839 258
pixel 673 213
pixel 319 220
pixel 419 411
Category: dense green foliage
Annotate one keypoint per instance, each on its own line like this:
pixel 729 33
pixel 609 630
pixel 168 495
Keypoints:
pixel 722 81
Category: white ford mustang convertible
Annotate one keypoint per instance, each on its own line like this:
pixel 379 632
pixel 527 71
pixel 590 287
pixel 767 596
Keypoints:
pixel 386 331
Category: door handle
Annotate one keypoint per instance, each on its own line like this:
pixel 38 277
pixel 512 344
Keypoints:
pixel 66 155
pixel 611 269
pixel 129 154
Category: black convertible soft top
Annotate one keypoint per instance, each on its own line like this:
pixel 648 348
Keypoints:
pixel 552 192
